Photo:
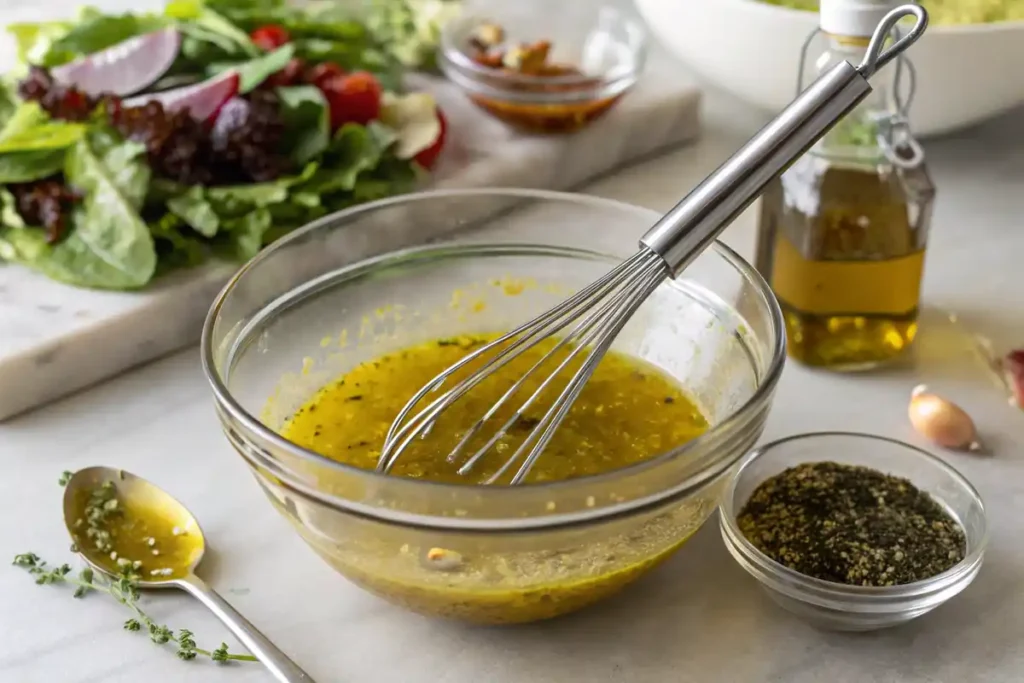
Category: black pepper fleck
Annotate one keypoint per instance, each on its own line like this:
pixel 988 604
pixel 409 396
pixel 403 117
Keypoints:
pixel 851 525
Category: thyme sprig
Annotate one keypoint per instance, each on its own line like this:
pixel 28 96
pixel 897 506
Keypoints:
pixel 125 590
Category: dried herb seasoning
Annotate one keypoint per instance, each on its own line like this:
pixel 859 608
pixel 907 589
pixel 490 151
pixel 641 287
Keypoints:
pixel 851 525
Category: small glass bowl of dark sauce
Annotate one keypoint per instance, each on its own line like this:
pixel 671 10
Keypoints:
pixel 592 55
pixel 896 576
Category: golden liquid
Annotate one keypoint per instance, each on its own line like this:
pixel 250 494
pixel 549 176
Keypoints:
pixel 627 412
pixel 158 540
pixel 848 277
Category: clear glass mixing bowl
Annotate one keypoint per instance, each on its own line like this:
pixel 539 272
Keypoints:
pixel 337 293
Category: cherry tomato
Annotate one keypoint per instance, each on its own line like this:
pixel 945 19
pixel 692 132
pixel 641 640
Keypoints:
pixel 321 73
pixel 428 157
pixel 270 37
pixel 354 98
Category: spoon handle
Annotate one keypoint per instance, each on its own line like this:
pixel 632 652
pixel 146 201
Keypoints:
pixel 284 669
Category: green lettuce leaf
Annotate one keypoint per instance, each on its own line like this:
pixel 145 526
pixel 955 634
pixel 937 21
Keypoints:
pixel 208 210
pixel 48 136
pixel 200 47
pixel 34 41
pixel 306 116
pixel 9 216
pixel 197 11
pixel 23 167
pixel 108 245
pixel 8 103
pixel 175 246
pixel 253 72
pixel 245 234
pixel 96 32
pixel 323 20
pixel 30 129
pixel 193 208
pixel 353 56
pixel 353 150
pixel 412 28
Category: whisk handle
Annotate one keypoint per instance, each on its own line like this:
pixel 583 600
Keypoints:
pixel 691 226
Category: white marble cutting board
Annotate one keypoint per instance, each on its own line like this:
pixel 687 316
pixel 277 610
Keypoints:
pixel 56 339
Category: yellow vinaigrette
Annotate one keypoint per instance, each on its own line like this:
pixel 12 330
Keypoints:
pixel 628 412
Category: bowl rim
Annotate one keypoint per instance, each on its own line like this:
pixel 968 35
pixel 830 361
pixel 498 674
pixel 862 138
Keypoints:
pixel 982 28
pixel 732 423
pixel 830 593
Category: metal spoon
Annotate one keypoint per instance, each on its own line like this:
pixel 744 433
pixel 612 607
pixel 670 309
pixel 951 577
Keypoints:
pixel 162 535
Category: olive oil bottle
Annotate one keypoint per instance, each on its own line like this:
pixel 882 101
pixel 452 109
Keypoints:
pixel 842 233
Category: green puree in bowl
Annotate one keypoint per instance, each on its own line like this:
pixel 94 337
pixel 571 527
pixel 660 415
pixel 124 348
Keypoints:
pixel 946 12
pixel 627 413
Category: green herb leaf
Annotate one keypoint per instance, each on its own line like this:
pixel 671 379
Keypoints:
pixel 125 591
pixel 307 123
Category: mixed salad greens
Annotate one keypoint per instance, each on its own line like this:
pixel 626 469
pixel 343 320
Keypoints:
pixel 135 143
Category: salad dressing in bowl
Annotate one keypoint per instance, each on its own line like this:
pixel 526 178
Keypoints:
pixel 308 311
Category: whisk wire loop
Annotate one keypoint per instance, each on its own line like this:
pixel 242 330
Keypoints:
pixel 588 309
pixel 583 336
pixel 394 443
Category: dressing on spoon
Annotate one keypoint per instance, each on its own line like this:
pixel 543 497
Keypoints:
pixel 122 524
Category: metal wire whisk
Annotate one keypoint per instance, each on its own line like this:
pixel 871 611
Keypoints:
pixel 588 322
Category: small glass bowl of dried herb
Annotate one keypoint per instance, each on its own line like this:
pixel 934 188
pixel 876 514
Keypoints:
pixel 853 532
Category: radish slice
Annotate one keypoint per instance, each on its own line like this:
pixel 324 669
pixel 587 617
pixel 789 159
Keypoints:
pixel 202 100
pixel 124 68
pixel 232 115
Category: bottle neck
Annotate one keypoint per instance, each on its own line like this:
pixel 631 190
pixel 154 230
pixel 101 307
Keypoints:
pixel 855 137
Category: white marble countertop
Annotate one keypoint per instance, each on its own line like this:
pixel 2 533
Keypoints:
pixel 699 618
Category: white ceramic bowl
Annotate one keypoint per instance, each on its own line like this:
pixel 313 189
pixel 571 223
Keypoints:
pixel 751 49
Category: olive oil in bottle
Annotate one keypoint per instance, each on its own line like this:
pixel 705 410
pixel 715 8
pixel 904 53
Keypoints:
pixel 842 233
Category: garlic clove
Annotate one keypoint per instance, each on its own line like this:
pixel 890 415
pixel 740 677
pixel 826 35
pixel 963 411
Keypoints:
pixel 942 421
